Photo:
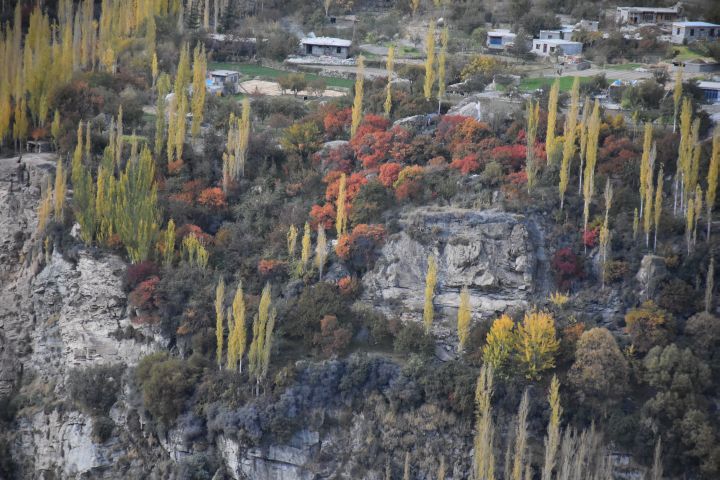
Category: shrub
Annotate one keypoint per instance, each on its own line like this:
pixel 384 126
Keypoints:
pixel 412 339
pixel 649 325
pixel 369 204
pixel 166 384
pixel 359 248
pixel 615 270
pixel 103 427
pixel 95 389
pixel 303 316
pixel 567 267
pixel 333 339
pixel 138 272
pixel 678 297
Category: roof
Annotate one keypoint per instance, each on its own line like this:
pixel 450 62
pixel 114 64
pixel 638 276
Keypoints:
pixel 650 9
pixel 501 33
pixel 222 73
pixel 556 41
pixel 709 85
pixel 327 41
pixel 695 24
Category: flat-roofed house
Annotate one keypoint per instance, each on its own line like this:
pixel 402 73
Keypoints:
pixel 547 47
pixel 711 91
pixel 499 39
pixel 564 33
pixel 640 15
pixel 220 82
pixel 332 47
pixel 687 32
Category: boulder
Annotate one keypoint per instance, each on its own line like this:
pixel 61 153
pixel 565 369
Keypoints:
pixel 650 275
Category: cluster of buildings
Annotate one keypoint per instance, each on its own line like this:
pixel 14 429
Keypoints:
pixel 548 43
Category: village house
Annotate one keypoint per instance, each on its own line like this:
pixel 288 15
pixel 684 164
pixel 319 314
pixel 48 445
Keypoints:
pixel 687 32
pixel 548 47
pixel 588 25
pixel 711 91
pixel 332 47
pixel 220 82
pixel 648 15
pixel 564 33
pixel 499 39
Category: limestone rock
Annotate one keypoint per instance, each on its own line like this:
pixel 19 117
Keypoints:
pixel 650 275
pixel 489 251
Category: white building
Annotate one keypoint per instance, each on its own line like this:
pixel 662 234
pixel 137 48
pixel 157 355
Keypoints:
pixel 711 90
pixel 332 47
pixel 687 32
pixel 640 15
pixel 588 25
pixel 547 47
pixel 564 33
pixel 499 39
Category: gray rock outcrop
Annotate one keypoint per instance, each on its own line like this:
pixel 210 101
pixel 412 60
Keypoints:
pixel 490 252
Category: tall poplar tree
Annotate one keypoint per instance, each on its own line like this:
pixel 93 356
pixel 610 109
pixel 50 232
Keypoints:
pixel 198 92
pixel 677 95
pixel 340 207
pixel 484 454
pixel 321 251
pixel 389 65
pixel 237 341
pixel 357 108
pixel 430 282
pixel 550 139
pixel 521 437
pixel 570 132
pixel 552 438
pixel 464 318
pixel 442 59
pixel 591 154
pixel 657 210
pixel 60 190
pixel 429 61
pixel 644 164
pixel 712 179
pixel 532 118
pixel 219 320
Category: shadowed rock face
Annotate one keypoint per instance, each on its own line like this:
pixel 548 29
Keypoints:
pixel 491 252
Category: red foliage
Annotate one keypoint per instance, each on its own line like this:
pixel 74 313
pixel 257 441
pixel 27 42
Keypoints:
pixel 138 272
pixel 438 162
pixel 467 164
pixel 567 267
pixel 590 237
pixel 324 215
pixel 353 183
pixel 348 285
pixel 190 191
pixel 336 121
pixel 517 178
pixel 212 197
pixel 389 173
pixel 340 158
pixel 510 156
pixel 375 147
pixel 461 134
pixel 409 182
pixel 144 296
pixel 190 229
pixel 361 243
pixel 271 267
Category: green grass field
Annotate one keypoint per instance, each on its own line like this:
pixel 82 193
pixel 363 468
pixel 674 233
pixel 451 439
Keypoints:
pixel 686 53
pixel 253 71
pixel 533 83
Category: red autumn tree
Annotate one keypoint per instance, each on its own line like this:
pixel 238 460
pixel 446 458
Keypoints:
pixel 466 164
pixel 388 173
pixel 324 216
pixel 336 121
pixel 359 248
pixel 212 197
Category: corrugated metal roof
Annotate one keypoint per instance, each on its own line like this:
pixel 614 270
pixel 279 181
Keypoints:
pixel 695 24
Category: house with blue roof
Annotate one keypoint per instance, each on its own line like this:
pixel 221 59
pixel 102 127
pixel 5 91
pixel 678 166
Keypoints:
pixel 687 32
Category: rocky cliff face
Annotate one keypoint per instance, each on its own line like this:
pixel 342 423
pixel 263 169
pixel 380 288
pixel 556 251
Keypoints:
pixel 493 253
pixel 57 314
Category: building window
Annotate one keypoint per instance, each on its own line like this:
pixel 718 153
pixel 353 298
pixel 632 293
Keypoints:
pixel 678 32
pixel 339 50
pixel 537 46
pixel 692 32
pixel 544 47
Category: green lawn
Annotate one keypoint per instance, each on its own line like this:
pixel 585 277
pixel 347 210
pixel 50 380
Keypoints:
pixel 533 83
pixel 251 70
pixel 686 53
pixel 624 66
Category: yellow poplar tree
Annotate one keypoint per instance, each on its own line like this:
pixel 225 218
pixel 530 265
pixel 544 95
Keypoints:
pixel 521 436
pixel 484 455
pixel 54 128
pixel 499 344
pixel 570 132
pixel 677 95
pixel 60 190
pixel 532 117
pixel 552 439
pixel 442 58
pixel 464 318
pixel 45 207
pixel 292 235
pixel 198 98
pixel 169 243
pixel 591 159
pixel 550 146
pixel 219 320
pixel 389 65
pixel 305 249
pixel 429 61
pixel 163 87
pixel 238 336
pixel 648 192
pixel 263 325
pixel 712 179
pixel 537 343
pixel 583 140
pixel 430 282
pixel 358 100
pixel 321 251
pixel 644 164
pixel 657 210
pixel 341 215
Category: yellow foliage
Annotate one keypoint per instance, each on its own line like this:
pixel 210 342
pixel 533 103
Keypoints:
pixel 292 235
pixel 358 100
pixel 341 216
pixel 559 299
pixel 430 281
pixel 219 319
pixel 537 343
pixel 499 344
pixel 481 64
pixel 60 190
pixel 429 61
pixel 237 340
pixel 389 69
pixel 45 207
pixel 464 318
